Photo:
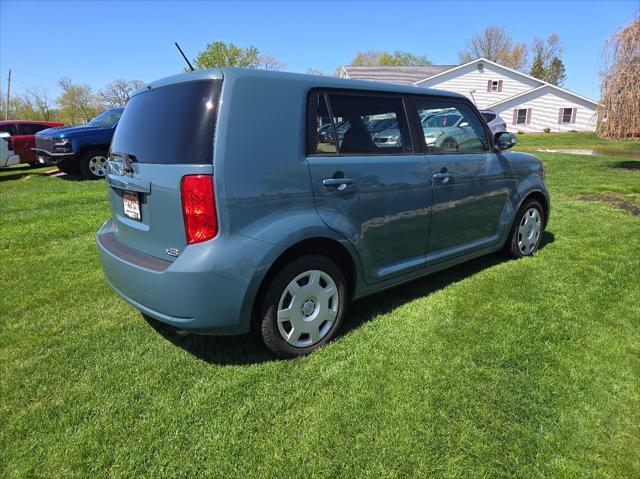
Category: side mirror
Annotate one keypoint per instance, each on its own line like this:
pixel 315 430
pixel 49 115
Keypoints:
pixel 505 140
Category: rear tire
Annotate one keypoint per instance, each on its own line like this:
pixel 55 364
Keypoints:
pixel 527 229
pixel 93 164
pixel 303 306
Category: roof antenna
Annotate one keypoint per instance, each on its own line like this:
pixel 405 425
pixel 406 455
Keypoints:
pixel 184 56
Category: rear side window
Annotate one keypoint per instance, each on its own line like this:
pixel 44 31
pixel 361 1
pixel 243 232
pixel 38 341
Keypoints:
pixel 173 124
pixel 361 125
pixel 11 129
pixel 31 128
pixel 451 127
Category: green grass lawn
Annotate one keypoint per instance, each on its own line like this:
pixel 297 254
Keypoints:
pixel 495 368
pixel 529 141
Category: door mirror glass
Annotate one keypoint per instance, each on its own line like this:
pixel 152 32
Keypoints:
pixel 505 140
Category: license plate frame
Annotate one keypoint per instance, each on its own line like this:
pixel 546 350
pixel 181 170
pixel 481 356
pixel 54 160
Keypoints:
pixel 131 205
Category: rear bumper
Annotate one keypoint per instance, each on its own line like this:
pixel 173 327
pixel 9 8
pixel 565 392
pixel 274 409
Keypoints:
pixel 208 289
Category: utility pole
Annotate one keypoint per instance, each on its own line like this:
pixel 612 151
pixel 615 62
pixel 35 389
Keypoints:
pixel 6 110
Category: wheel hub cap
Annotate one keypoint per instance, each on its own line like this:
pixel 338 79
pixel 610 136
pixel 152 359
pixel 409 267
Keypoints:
pixel 308 308
pixel 529 231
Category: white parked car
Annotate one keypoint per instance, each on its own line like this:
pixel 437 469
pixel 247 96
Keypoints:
pixel 7 155
pixel 496 124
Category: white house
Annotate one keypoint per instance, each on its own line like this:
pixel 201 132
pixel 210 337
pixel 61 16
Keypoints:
pixel 522 101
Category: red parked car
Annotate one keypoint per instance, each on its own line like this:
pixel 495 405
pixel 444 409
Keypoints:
pixel 23 136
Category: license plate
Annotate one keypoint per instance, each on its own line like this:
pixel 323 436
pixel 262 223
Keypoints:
pixel 131 204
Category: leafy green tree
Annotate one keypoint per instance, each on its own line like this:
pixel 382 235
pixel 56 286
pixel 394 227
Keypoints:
pixel 221 54
pixel 547 65
pixel 537 68
pixel 397 58
pixel 556 73
pixel 77 103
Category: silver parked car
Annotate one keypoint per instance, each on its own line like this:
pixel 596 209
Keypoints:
pixel 496 124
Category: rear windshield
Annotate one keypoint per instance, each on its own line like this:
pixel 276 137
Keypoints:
pixel 170 125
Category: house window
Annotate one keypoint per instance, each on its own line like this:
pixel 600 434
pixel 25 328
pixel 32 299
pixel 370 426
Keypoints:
pixel 521 117
pixel 494 85
pixel 567 115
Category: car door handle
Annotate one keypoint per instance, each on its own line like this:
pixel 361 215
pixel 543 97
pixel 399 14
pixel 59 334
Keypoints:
pixel 443 177
pixel 339 183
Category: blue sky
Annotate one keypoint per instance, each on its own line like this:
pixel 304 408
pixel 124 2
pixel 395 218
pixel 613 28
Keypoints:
pixel 95 42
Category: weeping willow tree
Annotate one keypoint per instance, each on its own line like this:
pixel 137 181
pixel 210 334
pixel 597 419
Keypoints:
pixel 619 111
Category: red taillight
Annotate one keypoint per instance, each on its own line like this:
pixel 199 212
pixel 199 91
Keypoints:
pixel 199 208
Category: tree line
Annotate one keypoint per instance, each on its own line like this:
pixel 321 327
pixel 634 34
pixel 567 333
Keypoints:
pixel 76 104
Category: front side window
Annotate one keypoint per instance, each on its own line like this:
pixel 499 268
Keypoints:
pixel 567 115
pixel 369 125
pixel 106 119
pixel 451 127
pixel 521 117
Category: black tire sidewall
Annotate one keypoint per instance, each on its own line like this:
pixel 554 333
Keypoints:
pixel 514 250
pixel 84 164
pixel 268 311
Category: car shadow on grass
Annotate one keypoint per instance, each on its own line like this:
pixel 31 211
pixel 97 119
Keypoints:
pixel 19 172
pixel 627 165
pixel 248 349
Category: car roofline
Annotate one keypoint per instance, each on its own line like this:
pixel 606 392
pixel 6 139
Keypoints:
pixel 314 81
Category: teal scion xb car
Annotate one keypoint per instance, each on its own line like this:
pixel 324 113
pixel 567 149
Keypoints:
pixel 229 211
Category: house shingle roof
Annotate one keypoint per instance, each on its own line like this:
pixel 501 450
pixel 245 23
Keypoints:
pixel 405 75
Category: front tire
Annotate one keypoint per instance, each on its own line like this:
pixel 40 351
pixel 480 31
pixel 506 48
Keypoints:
pixel 303 306
pixel 93 164
pixel 527 229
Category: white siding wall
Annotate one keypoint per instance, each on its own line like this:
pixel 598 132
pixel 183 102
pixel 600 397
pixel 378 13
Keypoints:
pixel 468 78
pixel 544 105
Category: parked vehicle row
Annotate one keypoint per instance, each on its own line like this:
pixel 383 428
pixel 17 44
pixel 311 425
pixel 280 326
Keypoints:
pixel 21 135
pixel 219 226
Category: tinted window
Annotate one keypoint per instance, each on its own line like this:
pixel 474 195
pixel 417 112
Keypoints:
pixel 170 125
pixel 370 125
pixel 11 129
pixel 31 128
pixel 451 127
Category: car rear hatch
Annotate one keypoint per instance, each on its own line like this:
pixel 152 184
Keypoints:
pixel 165 133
